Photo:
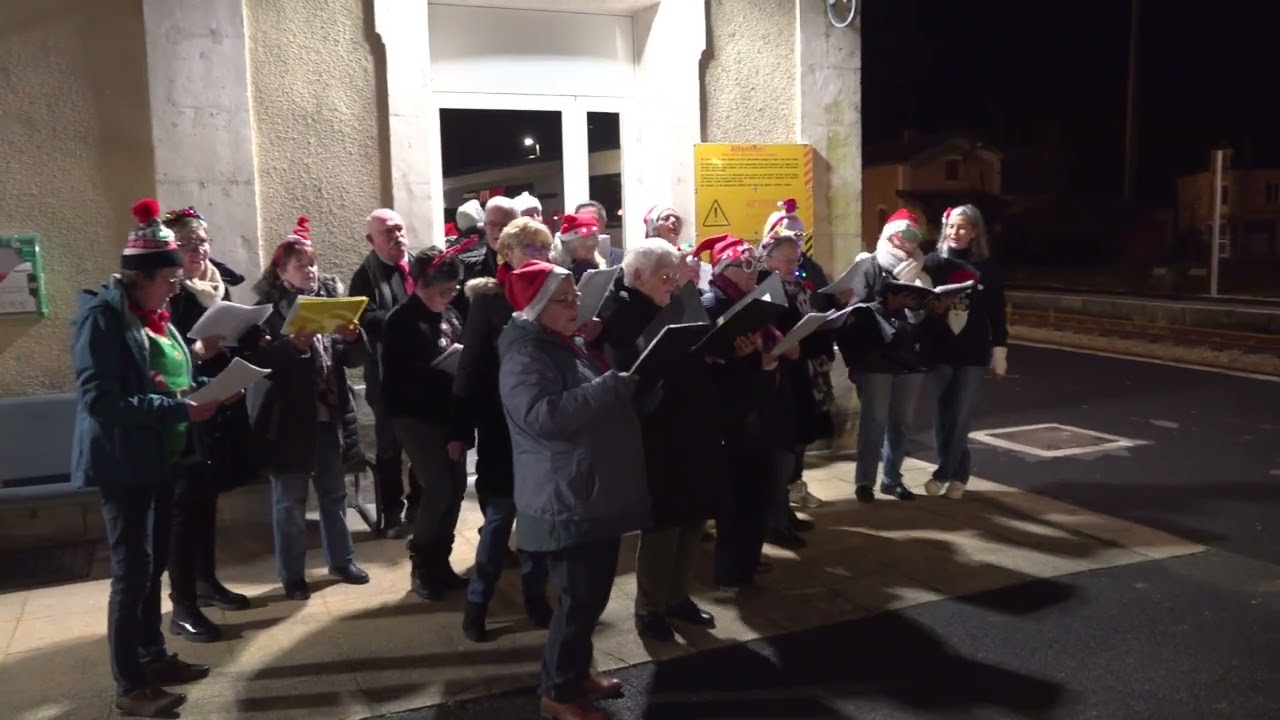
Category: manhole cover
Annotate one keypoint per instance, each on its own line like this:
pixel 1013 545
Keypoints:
pixel 45 566
pixel 1053 440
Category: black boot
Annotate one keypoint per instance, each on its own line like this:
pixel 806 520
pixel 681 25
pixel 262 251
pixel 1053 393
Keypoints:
pixel 473 622
pixel 212 593
pixel 187 621
pixel 422 582
pixel 538 610
pixel 442 570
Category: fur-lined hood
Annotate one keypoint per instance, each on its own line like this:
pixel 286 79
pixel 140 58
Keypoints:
pixel 271 290
pixel 482 286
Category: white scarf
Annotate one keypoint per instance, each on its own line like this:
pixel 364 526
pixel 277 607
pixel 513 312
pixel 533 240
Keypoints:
pixel 208 288
pixel 904 267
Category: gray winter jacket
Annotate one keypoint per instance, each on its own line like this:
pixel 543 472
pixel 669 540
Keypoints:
pixel 575 442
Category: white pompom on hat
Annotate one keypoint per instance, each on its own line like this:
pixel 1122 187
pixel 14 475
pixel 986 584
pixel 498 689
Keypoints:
pixel 470 214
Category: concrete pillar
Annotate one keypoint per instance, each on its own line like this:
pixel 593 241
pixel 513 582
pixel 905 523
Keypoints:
pixel 413 128
pixel 665 120
pixel 830 104
pixel 829 99
pixel 202 130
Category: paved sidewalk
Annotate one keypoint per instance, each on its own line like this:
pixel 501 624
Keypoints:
pixel 352 652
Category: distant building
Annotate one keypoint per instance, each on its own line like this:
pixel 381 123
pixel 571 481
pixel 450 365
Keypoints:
pixel 927 175
pixel 1250 211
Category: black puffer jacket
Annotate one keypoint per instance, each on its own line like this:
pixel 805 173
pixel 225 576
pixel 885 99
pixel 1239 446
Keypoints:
pixel 476 386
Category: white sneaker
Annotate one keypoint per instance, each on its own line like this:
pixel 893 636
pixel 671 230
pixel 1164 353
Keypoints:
pixel 955 490
pixel 800 496
pixel 933 487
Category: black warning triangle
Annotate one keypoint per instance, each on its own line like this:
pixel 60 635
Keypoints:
pixel 715 216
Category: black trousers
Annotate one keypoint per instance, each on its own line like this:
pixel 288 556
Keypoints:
pixel 583 576
pixel 138 527
pixel 388 468
pixel 193 535
pixel 443 484
pixel 741 525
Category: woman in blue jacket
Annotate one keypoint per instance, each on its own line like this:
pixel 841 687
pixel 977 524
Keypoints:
pixel 132 436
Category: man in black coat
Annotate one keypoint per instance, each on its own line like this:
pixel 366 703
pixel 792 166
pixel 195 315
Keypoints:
pixel 383 278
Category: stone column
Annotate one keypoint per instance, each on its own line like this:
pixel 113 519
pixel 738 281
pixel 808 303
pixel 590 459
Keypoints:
pixel 665 120
pixel 413 127
pixel 829 98
pixel 201 126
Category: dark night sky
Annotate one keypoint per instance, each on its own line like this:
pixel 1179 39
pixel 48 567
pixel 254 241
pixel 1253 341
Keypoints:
pixel 1013 71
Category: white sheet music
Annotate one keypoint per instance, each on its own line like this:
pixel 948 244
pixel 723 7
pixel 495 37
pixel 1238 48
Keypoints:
pixel 238 376
pixel 229 321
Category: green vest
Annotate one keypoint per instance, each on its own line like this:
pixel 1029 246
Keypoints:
pixel 171 371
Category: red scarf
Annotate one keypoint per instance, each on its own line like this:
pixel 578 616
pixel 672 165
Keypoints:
pixel 583 350
pixel 157 321
pixel 504 271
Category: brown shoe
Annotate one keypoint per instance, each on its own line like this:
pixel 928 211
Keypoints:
pixel 551 710
pixel 602 688
pixel 172 671
pixel 149 702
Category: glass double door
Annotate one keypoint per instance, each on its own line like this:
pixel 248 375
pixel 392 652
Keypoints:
pixel 562 150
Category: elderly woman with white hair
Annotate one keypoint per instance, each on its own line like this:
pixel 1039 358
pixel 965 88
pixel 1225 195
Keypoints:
pixel 683 445
pixel 579 473
pixel 971 335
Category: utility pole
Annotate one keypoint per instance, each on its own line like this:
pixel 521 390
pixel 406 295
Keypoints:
pixel 1215 223
pixel 1131 105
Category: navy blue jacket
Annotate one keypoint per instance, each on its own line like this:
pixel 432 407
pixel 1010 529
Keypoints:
pixel 121 433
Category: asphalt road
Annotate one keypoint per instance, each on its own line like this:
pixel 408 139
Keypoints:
pixel 1194 637
pixel 1211 470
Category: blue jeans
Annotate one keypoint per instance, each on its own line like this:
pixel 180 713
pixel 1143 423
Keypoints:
pixel 499 517
pixel 888 405
pixel 955 389
pixel 289 510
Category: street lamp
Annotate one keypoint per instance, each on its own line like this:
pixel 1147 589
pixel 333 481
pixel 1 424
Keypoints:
pixel 529 142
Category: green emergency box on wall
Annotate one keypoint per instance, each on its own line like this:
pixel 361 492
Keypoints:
pixel 22 276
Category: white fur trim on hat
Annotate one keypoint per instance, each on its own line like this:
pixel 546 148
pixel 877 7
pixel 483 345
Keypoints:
pixel 549 284
pixel 470 214
pixel 525 202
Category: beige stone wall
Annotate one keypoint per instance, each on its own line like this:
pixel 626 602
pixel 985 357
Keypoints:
pixel 749 82
pixel 76 136
pixel 317 124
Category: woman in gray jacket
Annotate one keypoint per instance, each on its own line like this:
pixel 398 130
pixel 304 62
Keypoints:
pixel 579 473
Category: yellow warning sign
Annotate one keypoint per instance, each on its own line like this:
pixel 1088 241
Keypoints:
pixel 737 186
pixel 715 217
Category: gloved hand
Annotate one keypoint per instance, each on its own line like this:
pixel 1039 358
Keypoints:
pixel 1000 360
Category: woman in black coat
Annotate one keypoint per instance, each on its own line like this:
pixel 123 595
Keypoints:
pixel 684 448
pixel 193 580
pixel 298 415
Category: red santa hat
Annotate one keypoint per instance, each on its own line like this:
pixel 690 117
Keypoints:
pixel 651 218
pixel 575 226
pixel 723 250
pixel 783 224
pixel 151 245
pixel 530 287
pixel 902 223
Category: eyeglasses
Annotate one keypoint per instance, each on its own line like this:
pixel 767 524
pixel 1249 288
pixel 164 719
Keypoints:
pixel 748 265
pixel 535 251
pixel 194 244
pixel 571 299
